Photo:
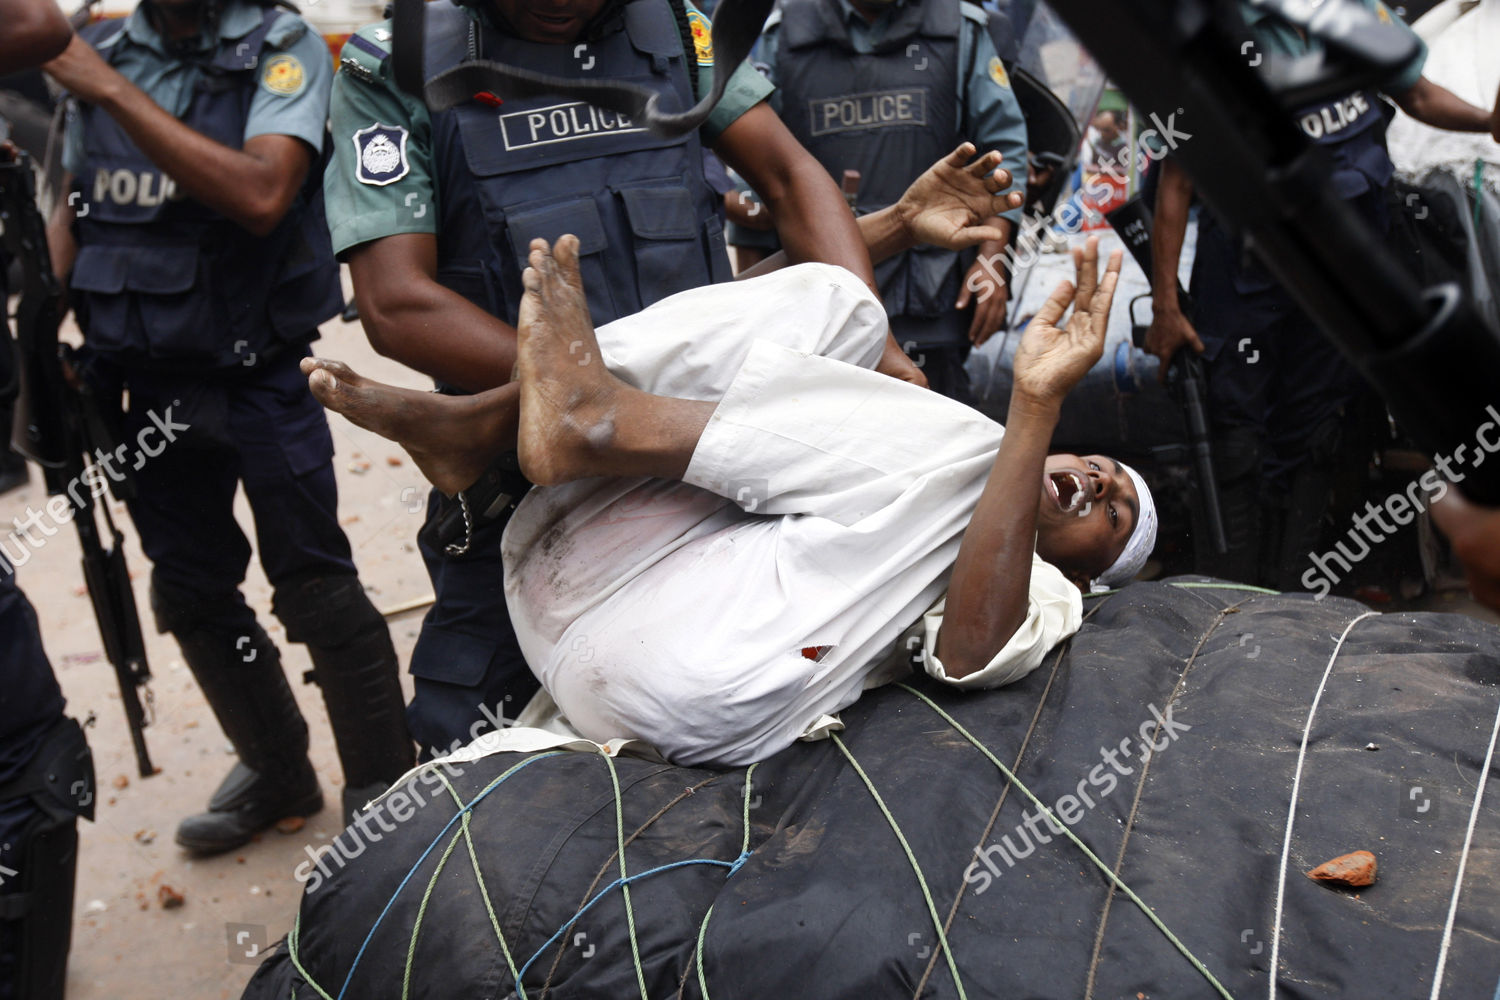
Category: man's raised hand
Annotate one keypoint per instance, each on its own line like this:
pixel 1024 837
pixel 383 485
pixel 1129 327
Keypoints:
pixel 1052 359
pixel 946 204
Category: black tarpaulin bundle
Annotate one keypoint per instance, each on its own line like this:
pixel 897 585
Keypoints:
pixel 1207 746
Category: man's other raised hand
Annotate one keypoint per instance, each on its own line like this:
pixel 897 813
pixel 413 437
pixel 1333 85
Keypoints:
pixel 1051 359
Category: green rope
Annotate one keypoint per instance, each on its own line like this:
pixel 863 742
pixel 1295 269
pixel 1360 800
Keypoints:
pixel 1055 822
pixel 744 851
pixel 937 922
pixel 635 946
pixel 702 931
pixel 292 941
pixel 484 892
pixel 416 926
pixel 745 844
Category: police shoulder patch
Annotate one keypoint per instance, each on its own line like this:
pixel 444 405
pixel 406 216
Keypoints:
pixel 703 40
pixel 380 153
pixel 282 74
pixel 997 72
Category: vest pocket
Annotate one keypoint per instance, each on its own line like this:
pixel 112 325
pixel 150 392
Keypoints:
pixel 669 254
pixel 581 218
pixel 307 290
pixel 173 314
pixel 933 282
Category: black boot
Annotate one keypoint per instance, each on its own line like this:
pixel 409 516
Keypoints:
pixel 242 679
pixel 354 663
pixel 13 472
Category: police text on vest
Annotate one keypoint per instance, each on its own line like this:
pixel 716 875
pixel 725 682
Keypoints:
pixel 878 109
pixel 561 123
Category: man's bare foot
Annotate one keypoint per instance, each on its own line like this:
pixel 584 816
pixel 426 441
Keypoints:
pixel 569 402
pixel 453 439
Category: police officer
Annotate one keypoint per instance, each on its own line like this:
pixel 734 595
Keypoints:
pixel 46 781
pixel 38 828
pixel 1279 391
pixel 885 87
pixel 201 271
pixel 434 213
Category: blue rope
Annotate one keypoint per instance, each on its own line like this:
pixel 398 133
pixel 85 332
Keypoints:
pixel 456 816
pixel 617 883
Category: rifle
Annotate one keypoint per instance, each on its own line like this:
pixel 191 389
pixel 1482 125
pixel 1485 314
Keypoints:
pixel 1186 380
pixel 60 428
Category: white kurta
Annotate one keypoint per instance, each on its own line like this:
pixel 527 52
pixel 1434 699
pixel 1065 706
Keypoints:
pixel 719 618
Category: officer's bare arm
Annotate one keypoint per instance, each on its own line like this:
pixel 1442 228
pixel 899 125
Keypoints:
pixel 812 218
pixel 412 319
pixel 1170 329
pixel 811 215
pixel 35 31
pixel 253 186
pixel 1435 105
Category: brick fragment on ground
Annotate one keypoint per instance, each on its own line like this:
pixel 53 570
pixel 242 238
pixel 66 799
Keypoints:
pixel 1354 869
pixel 169 897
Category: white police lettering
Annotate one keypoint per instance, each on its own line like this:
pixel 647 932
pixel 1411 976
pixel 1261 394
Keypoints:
pixel 1335 116
pixel 878 109
pixel 561 123
pixel 146 188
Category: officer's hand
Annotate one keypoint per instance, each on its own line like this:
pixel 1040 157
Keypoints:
pixel 1169 331
pixel 1051 360
pixel 744 209
pixel 896 364
pixel 82 72
pixel 944 206
pixel 986 288
pixel 1475 534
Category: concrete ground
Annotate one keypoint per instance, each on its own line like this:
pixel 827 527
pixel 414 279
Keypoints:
pixel 126 944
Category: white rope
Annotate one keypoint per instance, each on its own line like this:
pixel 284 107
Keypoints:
pixel 1463 860
pixel 1291 813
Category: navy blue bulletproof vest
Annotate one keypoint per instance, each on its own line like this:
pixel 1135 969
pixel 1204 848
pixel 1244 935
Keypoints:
pixel 161 278
pixel 889 114
pixel 1351 130
pixel 647 221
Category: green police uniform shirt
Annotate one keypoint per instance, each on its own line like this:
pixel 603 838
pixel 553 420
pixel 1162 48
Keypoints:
pixel 365 95
pixel 294 75
pixel 1283 39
